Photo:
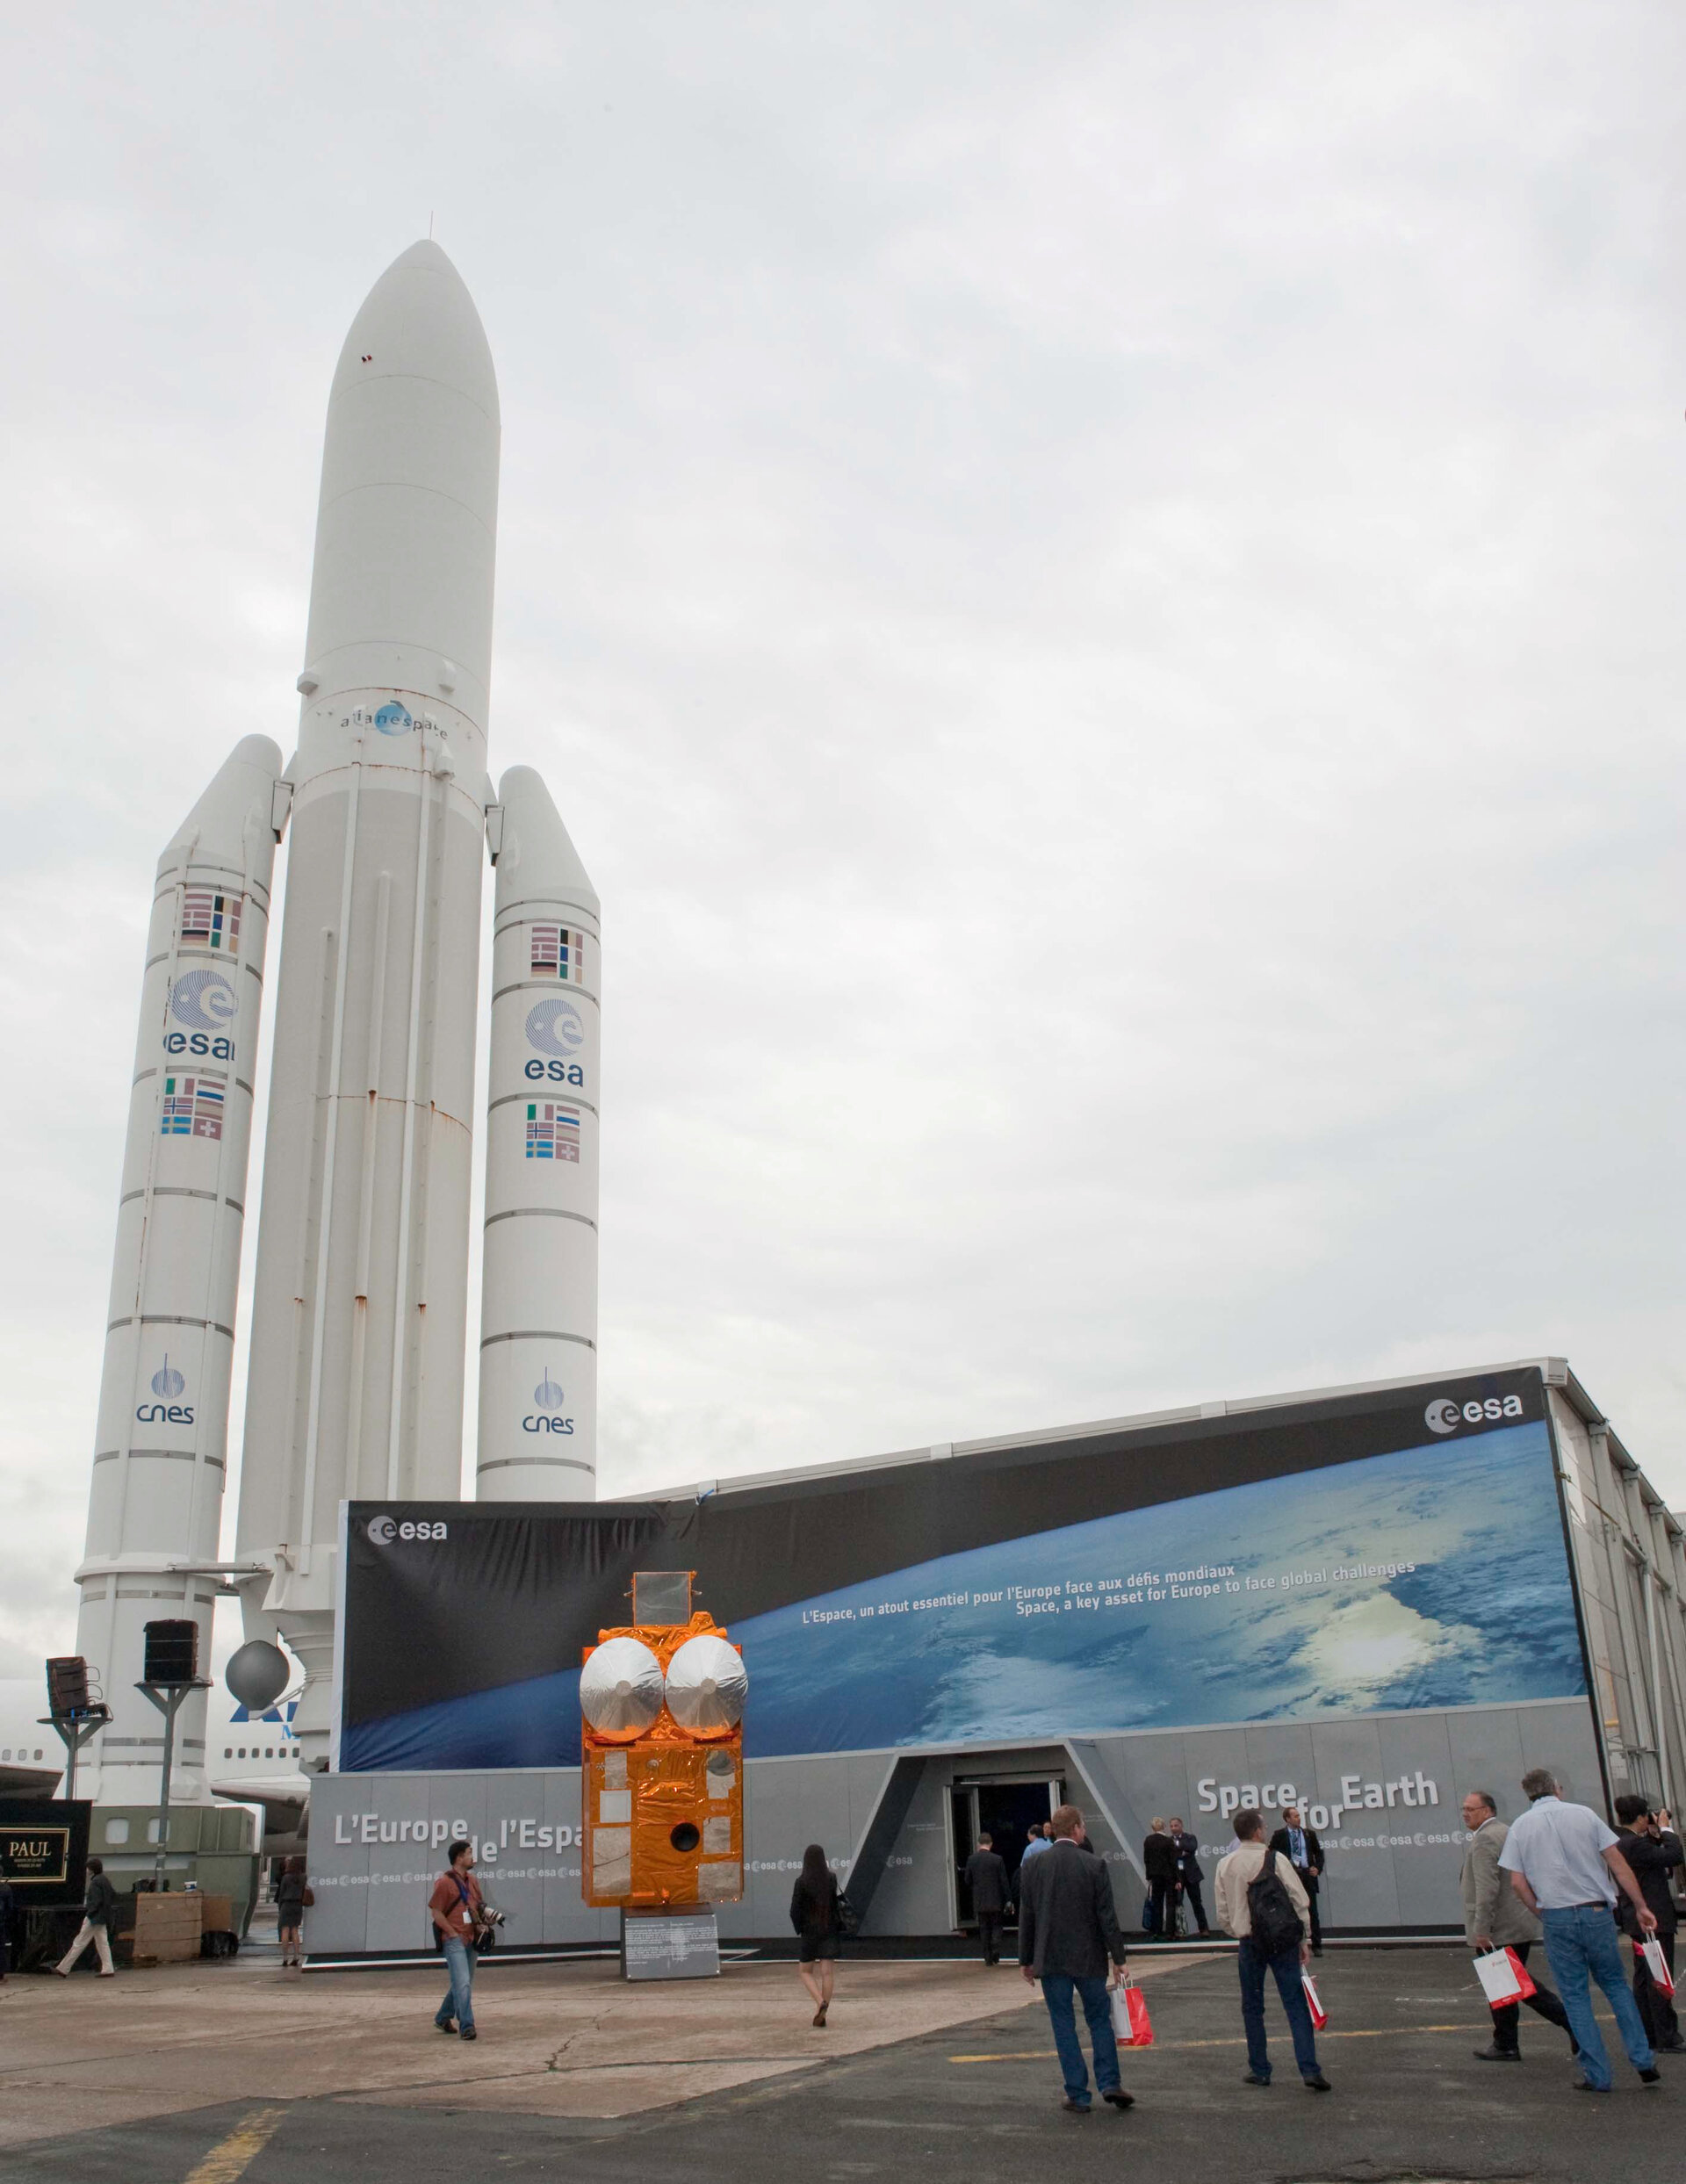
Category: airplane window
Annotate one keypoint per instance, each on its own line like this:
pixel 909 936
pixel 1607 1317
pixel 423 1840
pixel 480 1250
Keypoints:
pixel 38 1751
pixel 242 1751
pixel 227 1751
pixel 7 1752
pixel 267 1753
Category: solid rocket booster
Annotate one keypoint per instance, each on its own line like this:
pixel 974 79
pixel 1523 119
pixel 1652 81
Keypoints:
pixel 359 1317
pixel 539 1324
pixel 155 1503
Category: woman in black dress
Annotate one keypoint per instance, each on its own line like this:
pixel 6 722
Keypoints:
pixel 814 1915
pixel 290 1893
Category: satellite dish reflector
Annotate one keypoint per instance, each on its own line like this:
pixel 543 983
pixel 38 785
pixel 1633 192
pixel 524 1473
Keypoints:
pixel 620 1687
pixel 257 1674
pixel 707 1685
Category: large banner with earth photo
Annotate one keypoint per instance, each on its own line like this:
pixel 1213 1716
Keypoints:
pixel 1357 1556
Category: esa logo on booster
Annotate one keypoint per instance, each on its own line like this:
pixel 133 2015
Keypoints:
pixel 205 1002
pixel 1443 1416
pixel 555 1029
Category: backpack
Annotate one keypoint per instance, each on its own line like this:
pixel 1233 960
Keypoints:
pixel 1277 1925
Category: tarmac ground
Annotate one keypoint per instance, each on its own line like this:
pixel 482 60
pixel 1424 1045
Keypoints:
pixel 216 2074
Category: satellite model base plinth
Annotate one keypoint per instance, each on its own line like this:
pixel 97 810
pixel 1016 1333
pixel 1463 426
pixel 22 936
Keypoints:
pixel 678 1942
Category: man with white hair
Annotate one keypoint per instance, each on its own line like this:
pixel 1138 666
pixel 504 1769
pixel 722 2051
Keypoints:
pixel 1567 1867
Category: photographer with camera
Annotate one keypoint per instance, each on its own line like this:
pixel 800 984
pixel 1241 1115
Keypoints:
pixel 460 1924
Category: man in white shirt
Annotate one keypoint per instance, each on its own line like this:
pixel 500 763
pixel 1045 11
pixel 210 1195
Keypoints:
pixel 1036 1842
pixel 1284 1954
pixel 1567 1867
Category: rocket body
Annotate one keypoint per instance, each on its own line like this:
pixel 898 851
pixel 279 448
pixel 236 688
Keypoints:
pixel 355 1380
pixel 155 1503
pixel 538 1323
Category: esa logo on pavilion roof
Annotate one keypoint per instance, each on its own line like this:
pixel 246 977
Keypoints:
pixel 383 1530
pixel 1444 1414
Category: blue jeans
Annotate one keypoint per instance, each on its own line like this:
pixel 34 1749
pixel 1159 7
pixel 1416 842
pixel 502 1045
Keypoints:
pixel 459 1995
pixel 1251 1963
pixel 1057 1992
pixel 1580 1941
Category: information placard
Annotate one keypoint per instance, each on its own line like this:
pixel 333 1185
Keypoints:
pixel 670 1945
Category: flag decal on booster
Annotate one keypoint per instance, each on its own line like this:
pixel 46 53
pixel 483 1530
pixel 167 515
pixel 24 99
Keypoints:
pixel 552 1132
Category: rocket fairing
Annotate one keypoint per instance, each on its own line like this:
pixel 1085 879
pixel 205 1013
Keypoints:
pixel 359 1316
pixel 155 1503
pixel 539 1325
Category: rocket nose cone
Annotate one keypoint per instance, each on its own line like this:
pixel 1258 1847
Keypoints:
pixel 418 321
pixel 538 858
pixel 428 254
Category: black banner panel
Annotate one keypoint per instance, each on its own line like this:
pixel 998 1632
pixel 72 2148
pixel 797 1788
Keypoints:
pixel 1400 1550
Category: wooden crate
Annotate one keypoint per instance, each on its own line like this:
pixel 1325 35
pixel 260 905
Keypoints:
pixel 167 1929
pixel 218 1914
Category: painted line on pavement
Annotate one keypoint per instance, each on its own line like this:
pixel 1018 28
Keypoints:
pixel 1374 2032
pixel 229 2161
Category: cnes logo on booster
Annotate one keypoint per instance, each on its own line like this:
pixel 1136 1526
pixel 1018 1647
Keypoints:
pixel 1443 1416
pixel 384 1530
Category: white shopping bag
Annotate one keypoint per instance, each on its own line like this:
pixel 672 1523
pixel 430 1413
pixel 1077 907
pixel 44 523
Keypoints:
pixel 1657 1965
pixel 1497 1973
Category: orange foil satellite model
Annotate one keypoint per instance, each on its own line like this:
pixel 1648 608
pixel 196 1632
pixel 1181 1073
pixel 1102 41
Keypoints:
pixel 663 1706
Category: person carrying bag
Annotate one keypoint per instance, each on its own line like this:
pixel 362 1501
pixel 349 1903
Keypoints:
pixel 1262 1903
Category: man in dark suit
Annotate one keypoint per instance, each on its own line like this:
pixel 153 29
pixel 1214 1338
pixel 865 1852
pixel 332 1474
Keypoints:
pixel 1297 1843
pixel 1653 1849
pixel 1187 1847
pixel 986 1876
pixel 1159 1866
pixel 1067 1928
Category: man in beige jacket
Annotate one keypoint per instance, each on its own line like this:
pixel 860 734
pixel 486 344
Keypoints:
pixel 1496 1917
pixel 1283 1954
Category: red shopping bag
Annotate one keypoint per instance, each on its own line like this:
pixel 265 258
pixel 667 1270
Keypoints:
pixel 1314 2001
pixel 1132 2027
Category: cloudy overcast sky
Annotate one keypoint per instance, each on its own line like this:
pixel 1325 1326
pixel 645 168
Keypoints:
pixel 1098 587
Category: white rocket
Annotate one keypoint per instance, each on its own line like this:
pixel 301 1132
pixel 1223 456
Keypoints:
pixel 355 1387
pixel 154 1507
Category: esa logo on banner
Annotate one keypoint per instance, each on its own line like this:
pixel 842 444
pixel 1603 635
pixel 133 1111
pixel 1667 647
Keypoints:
pixel 1443 1416
pixel 383 1530
pixel 556 1030
pixel 205 1002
